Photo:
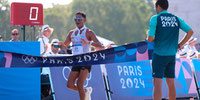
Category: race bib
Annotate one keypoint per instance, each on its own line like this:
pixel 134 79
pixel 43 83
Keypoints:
pixel 77 50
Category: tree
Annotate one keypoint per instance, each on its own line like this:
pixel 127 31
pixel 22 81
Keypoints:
pixel 122 21
pixel 4 19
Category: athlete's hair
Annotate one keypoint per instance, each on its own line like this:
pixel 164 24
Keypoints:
pixel 81 13
pixel 162 3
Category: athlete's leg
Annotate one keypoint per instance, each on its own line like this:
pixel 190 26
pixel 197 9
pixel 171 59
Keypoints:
pixel 73 75
pixel 80 83
pixel 171 87
pixel 159 64
pixel 170 78
pixel 157 89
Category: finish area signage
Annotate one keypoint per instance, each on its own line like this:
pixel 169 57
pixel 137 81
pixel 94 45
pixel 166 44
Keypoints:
pixel 26 14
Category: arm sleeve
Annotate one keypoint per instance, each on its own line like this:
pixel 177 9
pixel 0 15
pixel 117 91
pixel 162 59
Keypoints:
pixel 152 26
pixel 183 26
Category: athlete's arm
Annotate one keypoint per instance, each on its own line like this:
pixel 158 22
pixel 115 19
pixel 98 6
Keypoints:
pixel 92 37
pixel 186 28
pixel 68 39
pixel 152 29
pixel 66 43
pixel 150 39
pixel 186 38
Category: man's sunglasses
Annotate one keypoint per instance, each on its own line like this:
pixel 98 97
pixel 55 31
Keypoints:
pixel 78 19
pixel 14 33
pixel 46 28
pixel 56 46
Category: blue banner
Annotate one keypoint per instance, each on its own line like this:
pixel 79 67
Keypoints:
pixel 19 83
pixel 29 48
pixel 132 52
pixel 133 80
pixel 130 80
pixel 59 78
pixel 185 82
pixel 196 63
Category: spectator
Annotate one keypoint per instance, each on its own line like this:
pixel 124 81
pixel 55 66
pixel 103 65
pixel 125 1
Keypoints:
pixel 198 49
pixel 44 39
pixel 1 39
pixel 189 49
pixel 56 46
pixel 182 54
pixel 197 46
pixel 15 35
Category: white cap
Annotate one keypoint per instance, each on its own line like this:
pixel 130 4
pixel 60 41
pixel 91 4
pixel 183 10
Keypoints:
pixel 45 27
pixel 54 41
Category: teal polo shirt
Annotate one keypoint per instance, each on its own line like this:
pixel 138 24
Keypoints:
pixel 164 27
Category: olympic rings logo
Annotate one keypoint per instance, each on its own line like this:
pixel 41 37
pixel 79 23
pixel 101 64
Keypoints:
pixel 29 59
pixel 66 71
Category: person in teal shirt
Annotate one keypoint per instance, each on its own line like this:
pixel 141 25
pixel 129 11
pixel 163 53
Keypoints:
pixel 164 31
